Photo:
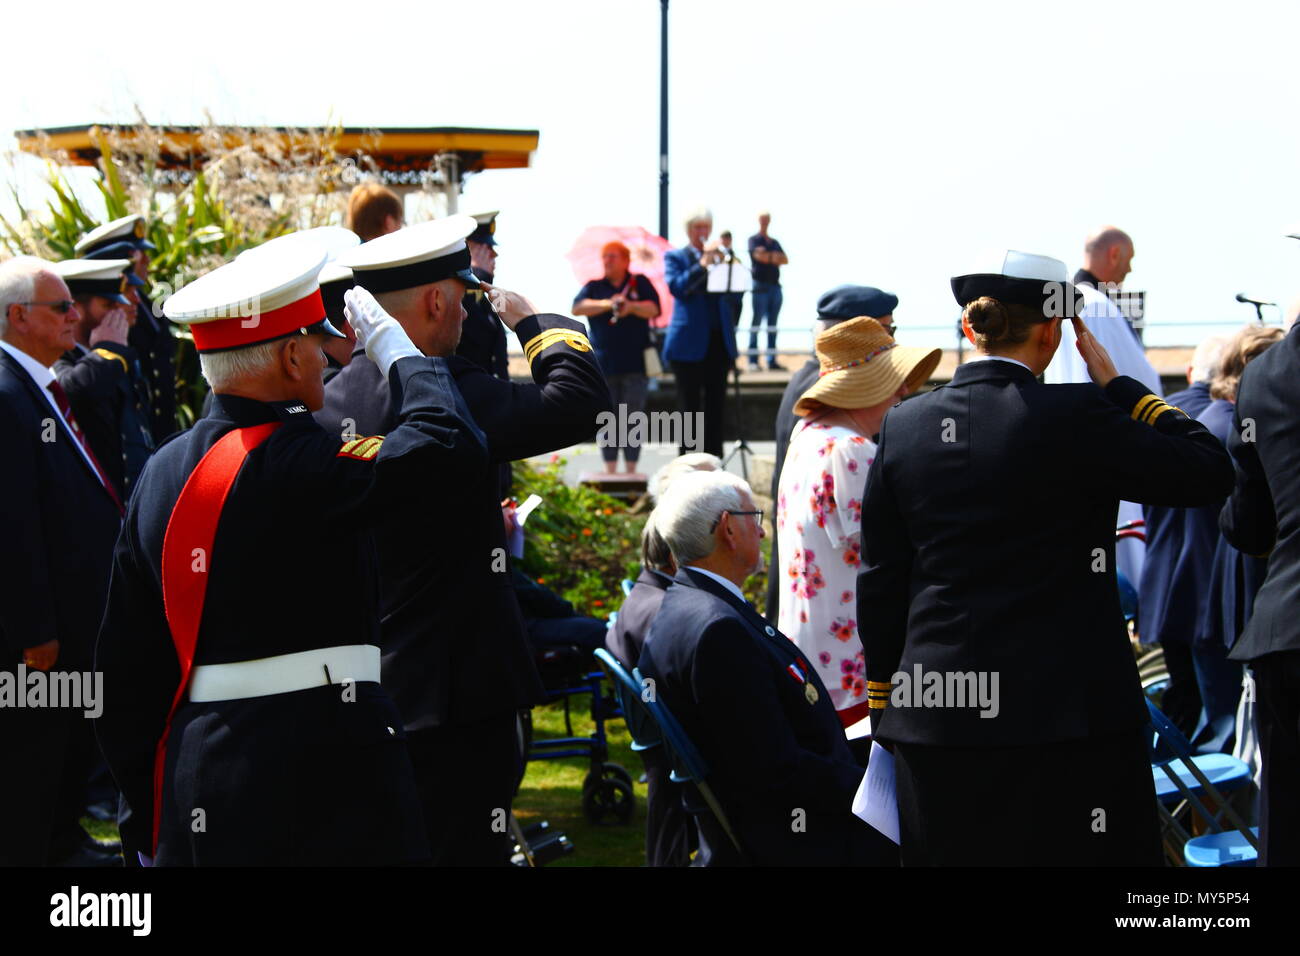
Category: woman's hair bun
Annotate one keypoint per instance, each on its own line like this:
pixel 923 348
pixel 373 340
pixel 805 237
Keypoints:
pixel 988 317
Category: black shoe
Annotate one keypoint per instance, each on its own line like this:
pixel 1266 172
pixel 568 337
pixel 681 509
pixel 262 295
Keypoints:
pixel 84 856
pixel 775 366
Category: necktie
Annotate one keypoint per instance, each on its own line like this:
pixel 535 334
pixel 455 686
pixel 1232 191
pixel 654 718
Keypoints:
pixel 65 408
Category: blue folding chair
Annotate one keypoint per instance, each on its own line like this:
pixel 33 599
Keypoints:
pixel 645 732
pixel 688 765
pixel 1200 777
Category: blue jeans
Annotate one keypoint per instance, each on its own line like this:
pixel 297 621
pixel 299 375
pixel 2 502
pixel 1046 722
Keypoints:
pixel 767 306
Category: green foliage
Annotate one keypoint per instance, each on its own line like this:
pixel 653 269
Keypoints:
pixel 580 543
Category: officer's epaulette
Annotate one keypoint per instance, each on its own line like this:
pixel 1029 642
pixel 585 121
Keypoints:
pixel 362 449
pixel 544 340
pixel 1150 407
pixel 105 353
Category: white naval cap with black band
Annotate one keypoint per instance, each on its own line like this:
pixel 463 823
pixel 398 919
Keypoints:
pixel 414 256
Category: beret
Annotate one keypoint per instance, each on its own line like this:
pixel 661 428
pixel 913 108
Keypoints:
pixel 850 301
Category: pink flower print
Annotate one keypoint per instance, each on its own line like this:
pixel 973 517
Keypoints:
pixel 859 687
pixel 853 555
pixel 846 597
pixel 852 465
pixel 855 510
pixel 846 666
pixel 844 629
pixel 803 617
pixel 825 658
pixel 846 682
pixel 857 440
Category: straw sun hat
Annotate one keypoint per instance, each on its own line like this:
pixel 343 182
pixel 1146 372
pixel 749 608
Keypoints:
pixel 861 366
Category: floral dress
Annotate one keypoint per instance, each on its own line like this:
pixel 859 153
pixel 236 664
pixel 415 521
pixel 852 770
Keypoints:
pixel 819 533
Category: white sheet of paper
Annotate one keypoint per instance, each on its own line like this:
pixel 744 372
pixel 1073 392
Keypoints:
pixel 876 802
pixel 521 515
pixel 739 278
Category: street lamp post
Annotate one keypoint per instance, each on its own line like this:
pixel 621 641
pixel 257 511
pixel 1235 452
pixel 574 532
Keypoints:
pixel 663 119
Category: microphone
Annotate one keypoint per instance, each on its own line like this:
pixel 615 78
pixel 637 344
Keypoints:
pixel 1242 297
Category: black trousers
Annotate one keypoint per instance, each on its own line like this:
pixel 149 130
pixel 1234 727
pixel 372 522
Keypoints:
pixel 1182 698
pixel 702 387
pixel 1079 803
pixel 669 829
pixel 34 746
pixel 317 777
pixel 466 777
pixel 1277 721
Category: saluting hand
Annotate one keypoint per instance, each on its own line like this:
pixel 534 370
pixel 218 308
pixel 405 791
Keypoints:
pixel 512 307
pixel 113 328
pixel 1095 356
pixel 382 336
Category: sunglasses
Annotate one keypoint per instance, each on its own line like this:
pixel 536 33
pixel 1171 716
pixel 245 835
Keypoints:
pixel 61 306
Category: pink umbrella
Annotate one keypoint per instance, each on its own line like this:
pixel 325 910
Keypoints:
pixel 647 251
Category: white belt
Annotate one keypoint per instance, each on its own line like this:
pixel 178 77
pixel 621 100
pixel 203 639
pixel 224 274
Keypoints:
pixel 285 674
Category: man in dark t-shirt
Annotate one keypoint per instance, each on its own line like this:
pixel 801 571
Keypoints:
pixel 618 308
pixel 767 256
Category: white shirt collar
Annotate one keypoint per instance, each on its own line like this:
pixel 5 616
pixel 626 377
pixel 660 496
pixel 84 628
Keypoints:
pixel 1002 358
pixel 729 585
pixel 40 374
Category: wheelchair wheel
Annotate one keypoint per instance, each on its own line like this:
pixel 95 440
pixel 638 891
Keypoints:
pixel 608 795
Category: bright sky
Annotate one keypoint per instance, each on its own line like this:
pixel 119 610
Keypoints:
pixel 896 143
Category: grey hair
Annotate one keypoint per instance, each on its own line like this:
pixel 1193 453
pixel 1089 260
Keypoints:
pixel 688 514
pixel 698 214
pixel 1208 355
pixel 18 283
pixel 695 461
pixel 223 369
pixel 655 553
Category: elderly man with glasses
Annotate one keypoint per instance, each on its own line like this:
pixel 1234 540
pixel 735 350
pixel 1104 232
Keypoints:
pixel 760 716
pixel 59 518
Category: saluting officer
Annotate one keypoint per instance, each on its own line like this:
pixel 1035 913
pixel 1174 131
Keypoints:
pixel 998 665
pixel 151 335
pixel 101 373
pixel 455 653
pixel 252 704
pixel 483 338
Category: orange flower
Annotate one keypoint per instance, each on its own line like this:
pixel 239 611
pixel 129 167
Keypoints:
pixel 597 603
pixel 609 511
pixel 587 532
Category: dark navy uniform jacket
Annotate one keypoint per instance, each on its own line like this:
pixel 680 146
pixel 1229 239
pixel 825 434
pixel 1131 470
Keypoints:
pixel 1263 515
pixel 988 547
pixel 1176 570
pixel 724 673
pixel 111 402
pixel 455 649
pixel 483 336
pixel 292 569
pixel 152 338
pixel 627 634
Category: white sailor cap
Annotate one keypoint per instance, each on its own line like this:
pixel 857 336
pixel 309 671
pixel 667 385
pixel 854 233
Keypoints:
pixel 127 229
pixel 414 256
pixel 1024 279
pixel 103 277
pixel 255 299
pixel 485 231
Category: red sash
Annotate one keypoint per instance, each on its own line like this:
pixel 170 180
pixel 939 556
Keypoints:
pixel 192 526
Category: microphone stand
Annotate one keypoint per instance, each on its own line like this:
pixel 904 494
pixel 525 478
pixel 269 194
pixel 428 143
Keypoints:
pixel 740 446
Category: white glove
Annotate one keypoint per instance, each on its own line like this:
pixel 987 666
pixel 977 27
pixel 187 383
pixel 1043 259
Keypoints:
pixel 383 337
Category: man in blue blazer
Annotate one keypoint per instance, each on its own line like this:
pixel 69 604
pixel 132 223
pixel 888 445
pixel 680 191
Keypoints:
pixel 754 707
pixel 701 345
pixel 58 520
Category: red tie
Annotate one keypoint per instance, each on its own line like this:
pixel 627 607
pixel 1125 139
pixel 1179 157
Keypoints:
pixel 61 400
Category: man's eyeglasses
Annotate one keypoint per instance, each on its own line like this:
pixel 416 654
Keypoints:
pixel 891 329
pixel 714 526
pixel 61 306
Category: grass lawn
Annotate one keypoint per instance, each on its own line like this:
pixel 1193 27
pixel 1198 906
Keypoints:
pixel 552 791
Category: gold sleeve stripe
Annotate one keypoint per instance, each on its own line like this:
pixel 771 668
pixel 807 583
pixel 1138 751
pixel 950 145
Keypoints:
pixel 879 685
pixel 105 353
pixel 362 449
pixel 1155 411
pixel 574 339
pixel 1144 403
pixel 873 704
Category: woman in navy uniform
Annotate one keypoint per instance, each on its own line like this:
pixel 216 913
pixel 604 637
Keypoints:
pixel 999 668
